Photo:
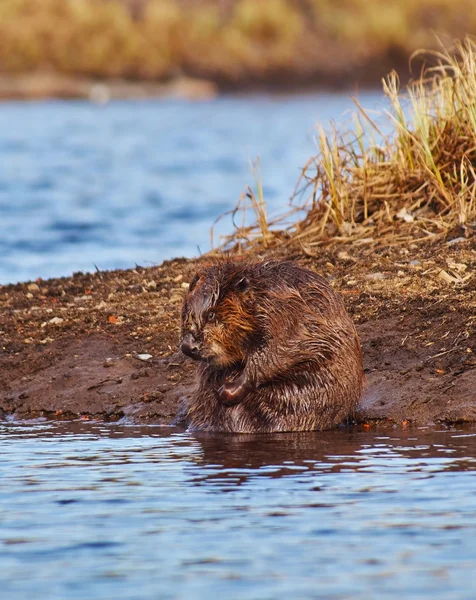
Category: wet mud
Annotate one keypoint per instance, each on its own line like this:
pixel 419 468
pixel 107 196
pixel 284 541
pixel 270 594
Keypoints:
pixel 105 345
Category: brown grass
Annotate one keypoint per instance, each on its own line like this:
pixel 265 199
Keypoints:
pixel 414 184
pixel 230 41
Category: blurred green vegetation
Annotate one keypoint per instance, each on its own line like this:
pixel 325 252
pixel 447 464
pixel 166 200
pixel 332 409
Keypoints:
pixel 230 41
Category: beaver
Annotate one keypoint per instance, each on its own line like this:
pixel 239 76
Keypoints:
pixel 276 349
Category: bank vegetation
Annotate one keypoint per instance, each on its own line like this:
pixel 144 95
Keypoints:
pixel 232 42
pixel 406 175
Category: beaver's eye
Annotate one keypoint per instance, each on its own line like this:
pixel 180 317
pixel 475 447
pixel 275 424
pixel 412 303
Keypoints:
pixel 211 315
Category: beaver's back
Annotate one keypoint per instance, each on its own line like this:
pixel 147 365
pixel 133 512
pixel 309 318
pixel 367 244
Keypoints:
pixel 277 276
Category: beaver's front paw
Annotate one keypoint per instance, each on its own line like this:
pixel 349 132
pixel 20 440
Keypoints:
pixel 234 392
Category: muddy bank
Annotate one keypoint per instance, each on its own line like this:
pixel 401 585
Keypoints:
pixel 41 86
pixel 104 345
pixel 51 85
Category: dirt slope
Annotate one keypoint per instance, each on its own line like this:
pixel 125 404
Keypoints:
pixel 73 348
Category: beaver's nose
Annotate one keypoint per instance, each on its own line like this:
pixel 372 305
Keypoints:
pixel 190 346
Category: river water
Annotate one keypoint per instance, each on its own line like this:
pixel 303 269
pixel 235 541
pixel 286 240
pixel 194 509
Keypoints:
pixel 85 186
pixel 92 511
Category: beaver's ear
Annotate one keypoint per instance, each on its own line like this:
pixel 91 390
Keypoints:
pixel 194 282
pixel 242 284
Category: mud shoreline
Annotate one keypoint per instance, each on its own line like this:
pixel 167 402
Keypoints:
pixel 104 345
pixel 45 85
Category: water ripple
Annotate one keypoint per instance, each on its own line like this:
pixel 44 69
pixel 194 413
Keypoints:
pixel 95 511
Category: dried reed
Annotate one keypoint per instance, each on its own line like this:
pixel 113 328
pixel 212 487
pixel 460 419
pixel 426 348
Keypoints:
pixel 417 182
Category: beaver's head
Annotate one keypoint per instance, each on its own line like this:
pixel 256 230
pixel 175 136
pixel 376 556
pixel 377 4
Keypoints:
pixel 218 323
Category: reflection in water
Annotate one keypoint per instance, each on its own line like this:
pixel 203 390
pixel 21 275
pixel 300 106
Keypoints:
pixel 334 451
pixel 99 511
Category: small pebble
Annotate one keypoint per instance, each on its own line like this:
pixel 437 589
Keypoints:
pixel 56 321
pixel 405 215
pixel 457 240
pixel 33 287
pixel 343 255
pixel 144 357
pixel 375 276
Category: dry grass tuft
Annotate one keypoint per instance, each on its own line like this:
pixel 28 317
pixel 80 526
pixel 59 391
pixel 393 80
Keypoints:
pixel 416 183
pixel 260 231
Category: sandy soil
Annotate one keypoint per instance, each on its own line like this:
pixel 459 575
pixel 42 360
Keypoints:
pixel 72 348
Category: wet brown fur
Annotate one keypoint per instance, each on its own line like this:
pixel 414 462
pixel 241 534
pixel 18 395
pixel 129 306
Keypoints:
pixel 277 350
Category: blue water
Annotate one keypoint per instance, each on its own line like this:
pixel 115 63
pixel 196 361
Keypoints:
pixel 115 512
pixel 131 183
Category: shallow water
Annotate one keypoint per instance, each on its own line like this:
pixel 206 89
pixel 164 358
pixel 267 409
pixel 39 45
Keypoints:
pixel 138 182
pixel 95 511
